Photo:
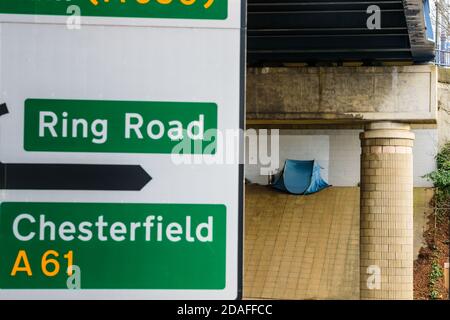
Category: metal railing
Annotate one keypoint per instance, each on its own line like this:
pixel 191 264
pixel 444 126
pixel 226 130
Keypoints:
pixel 442 58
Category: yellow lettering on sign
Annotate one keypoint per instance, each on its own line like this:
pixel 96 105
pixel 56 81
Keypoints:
pixel 69 257
pixel 188 2
pixel 208 4
pixel 46 261
pixel 22 255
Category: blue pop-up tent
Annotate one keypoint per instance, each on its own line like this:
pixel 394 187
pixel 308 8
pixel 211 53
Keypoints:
pixel 300 177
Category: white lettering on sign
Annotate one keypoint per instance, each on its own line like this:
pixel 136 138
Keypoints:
pixel 152 229
pixel 155 129
pixel 17 234
pixel 51 125
pixel 49 122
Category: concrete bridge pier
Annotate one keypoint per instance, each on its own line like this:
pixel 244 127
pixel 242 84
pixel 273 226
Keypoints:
pixel 386 230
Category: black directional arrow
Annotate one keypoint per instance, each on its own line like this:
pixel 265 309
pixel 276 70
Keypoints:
pixel 73 177
pixel 3 109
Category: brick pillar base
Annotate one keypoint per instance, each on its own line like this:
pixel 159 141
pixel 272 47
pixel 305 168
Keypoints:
pixel 386 237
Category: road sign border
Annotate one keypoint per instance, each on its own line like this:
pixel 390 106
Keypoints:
pixel 242 127
pixel 242 116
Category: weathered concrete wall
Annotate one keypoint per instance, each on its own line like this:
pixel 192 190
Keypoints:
pixel 405 93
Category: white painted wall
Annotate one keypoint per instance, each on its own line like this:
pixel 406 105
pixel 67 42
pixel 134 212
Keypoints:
pixel 299 146
pixel 338 153
pixel 345 154
pixel 425 149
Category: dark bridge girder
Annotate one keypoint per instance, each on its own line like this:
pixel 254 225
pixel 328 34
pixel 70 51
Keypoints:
pixel 281 31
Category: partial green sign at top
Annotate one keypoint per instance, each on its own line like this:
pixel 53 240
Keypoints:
pixel 171 9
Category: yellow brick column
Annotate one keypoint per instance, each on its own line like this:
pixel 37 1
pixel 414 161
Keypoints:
pixel 386 231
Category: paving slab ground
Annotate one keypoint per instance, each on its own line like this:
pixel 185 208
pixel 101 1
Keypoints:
pixel 307 247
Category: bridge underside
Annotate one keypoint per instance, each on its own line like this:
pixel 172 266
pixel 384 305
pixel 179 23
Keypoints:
pixel 292 31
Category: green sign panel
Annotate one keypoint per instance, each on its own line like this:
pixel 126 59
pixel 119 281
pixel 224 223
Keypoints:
pixel 112 246
pixel 175 9
pixel 120 126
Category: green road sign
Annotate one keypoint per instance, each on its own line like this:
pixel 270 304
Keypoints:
pixel 112 246
pixel 120 126
pixel 175 9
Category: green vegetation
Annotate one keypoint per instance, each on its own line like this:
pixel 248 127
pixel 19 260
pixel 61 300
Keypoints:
pixel 435 275
pixel 441 180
